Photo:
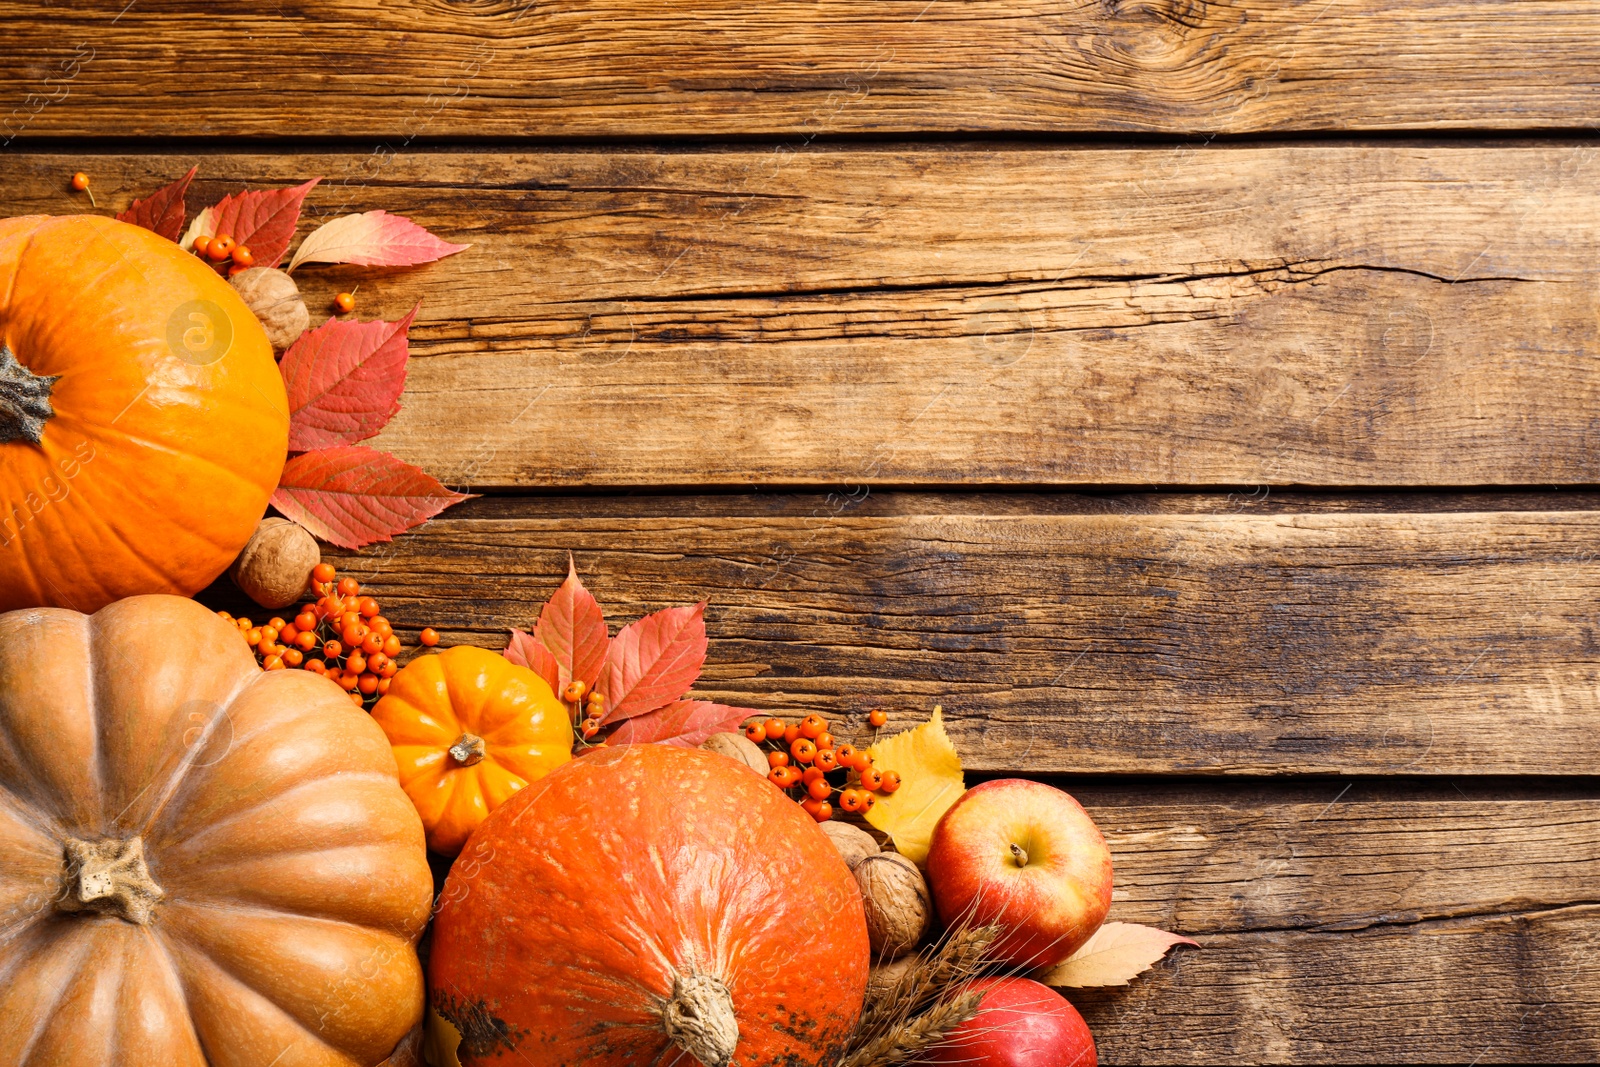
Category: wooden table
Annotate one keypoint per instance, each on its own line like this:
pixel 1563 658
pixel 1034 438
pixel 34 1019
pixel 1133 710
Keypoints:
pixel 1197 399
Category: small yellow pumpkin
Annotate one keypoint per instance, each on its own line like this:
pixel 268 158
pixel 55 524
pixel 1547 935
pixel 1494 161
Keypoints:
pixel 469 729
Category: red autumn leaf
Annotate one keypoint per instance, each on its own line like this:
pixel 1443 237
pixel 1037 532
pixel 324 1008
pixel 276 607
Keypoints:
pixel 263 220
pixel 372 239
pixel 525 650
pixel 573 628
pixel 344 381
pixel 653 661
pixel 163 211
pixel 685 723
pixel 351 496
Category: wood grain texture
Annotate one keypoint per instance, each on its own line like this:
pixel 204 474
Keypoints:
pixel 1343 642
pixel 1321 315
pixel 1356 930
pixel 630 68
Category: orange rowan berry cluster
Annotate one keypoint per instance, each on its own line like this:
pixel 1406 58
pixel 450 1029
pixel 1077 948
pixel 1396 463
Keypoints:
pixel 805 756
pixel 588 709
pixel 226 253
pixel 341 635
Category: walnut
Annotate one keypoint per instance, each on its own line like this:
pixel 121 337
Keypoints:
pixel 275 566
pixel 275 299
pixel 898 906
pixel 853 843
pixel 883 979
pixel 738 748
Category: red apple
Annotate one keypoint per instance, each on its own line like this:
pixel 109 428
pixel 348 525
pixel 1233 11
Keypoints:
pixel 1027 857
pixel 1019 1024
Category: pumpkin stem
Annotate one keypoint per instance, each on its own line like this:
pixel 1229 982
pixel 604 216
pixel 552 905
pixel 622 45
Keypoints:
pixel 468 749
pixel 24 400
pixel 699 1019
pixel 108 876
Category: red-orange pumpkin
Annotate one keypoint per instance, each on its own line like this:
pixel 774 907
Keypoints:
pixel 650 905
pixel 143 422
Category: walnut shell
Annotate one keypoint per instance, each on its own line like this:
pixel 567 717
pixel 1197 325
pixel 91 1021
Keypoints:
pixel 275 566
pixel 882 979
pixel 738 748
pixel 853 843
pixel 275 299
pixel 898 905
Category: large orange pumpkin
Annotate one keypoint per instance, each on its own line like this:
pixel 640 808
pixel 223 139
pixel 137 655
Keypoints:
pixel 650 904
pixel 470 728
pixel 143 422
pixel 200 862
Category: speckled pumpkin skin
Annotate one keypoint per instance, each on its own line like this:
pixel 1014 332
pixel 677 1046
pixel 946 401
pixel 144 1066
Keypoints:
pixel 576 902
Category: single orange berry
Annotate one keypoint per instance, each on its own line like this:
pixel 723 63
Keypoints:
pixel 273 663
pixel 383 685
pixel 376 661
pixel 305 622
pixel 372 644
pixel 353 635
pixel 429 637
pixel 850 800
pixel 224 616
pixel 391 646
pixel 293 657
pixel 845 755
pixel 826 759
pixel 350 604
pixel 891 781
pixel 358 700
pixel 305 641
pixel 316 666
pixel 323 572
pixel 824 740
pixel 355 662
pixel 388 670
pixel 348 680
pixel 871 778
pixel 380 624
pixel 253 636
pixel 777 759
pixel 777 777
pixel 811 774
pixel 820 789
pixel 243 623
pixel 276 623
pixel 803 749
pixel 220 248
pixel 367 683
pixel 756 732
pixel 288 633
pixel 367 607
pixel 201 243
pixel 80 181
pixel 867 801
pixel 235 270
pixel 243 258
pixel 348 587
pixel 791 734
pixel 792 775
pixel 345 302
pixel 812 726
pixel 332 649
pixel 575 690
pixel 877 718
pixel 591 726
pixel 774 728
pixel 819 810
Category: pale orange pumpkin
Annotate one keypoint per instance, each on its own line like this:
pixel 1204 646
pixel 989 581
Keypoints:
pixel 143 422
pixel 469 729
pixel 200 862
pixel 650 905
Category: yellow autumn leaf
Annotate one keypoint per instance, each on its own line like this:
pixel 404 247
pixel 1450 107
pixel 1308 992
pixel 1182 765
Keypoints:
pixel 930 771
pixel 441 1041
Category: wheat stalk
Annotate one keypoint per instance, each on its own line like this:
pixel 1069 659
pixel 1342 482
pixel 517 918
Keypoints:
pixel 901 1044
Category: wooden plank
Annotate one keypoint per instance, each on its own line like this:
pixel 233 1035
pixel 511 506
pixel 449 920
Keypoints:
pixel 1443 643
pixel 514 68
pixel 1356 929
pixel 1325 315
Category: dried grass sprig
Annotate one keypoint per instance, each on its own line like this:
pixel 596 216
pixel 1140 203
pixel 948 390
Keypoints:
pixel 903 1043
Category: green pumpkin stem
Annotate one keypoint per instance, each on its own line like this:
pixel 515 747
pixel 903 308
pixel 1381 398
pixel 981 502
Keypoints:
pixel 24 400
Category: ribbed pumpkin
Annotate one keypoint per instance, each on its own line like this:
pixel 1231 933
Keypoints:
pixel 200 862
pixel 650 904
pixel 143 422
pixel 469 729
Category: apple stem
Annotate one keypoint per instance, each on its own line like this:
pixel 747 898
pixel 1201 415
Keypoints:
pixel 1019 854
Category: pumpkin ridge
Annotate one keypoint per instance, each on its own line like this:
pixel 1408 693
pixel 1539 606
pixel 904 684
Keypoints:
pixel 268 911
pixel 209 461
pixel 220 824
pixel 42 1019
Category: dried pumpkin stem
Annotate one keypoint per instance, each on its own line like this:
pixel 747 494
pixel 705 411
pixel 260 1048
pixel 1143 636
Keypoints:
pixel 699 1018
pixel 468 749
pixel 24 400
pixel 108 876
